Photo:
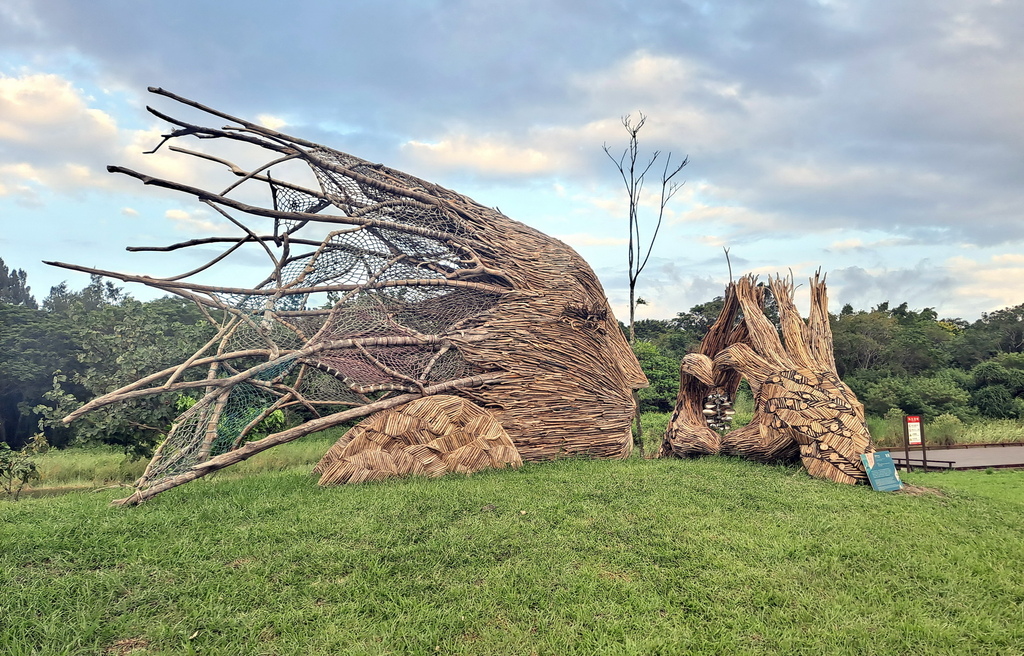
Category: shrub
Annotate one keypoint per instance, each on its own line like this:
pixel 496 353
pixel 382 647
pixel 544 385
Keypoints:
pixel 17 468
pixel 994 401
pixel 887 430
pixel 662 373
pixel 930 396
pixel 945 429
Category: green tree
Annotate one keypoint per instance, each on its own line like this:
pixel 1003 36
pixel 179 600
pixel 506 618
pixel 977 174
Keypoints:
pixel 695 323
pixel 890 341
pixel 662 373
pixel 33 344
pixel 860 339
pixel 917 346
pixel 118 340
pixel 14 287
pixel 930 396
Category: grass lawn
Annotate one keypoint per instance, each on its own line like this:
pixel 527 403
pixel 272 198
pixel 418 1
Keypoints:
pixel 712 556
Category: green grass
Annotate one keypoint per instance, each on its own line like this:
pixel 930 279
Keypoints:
pixel 710 556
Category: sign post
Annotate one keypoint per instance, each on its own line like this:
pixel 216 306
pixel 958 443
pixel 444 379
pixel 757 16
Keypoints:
pixel 913 434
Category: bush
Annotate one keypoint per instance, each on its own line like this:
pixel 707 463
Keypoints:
pixel 994 401
pixel 887 430
pixel 929 396
pixel 944 430
pixel 17 468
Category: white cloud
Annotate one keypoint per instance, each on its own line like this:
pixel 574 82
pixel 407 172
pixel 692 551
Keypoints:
pixel 857 244
pixel 272 122
pixel 668 89
pixel 46 111
pixel 989 285
pixel 129 211
pixel 967 31
pixel 52 140
pixel 657 85
pixel 19 13
pixel 847 244
pixel 487 154
pixel 197 223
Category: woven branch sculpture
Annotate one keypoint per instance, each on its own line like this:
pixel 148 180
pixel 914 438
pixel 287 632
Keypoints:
pixel 429 294
pixel 801 408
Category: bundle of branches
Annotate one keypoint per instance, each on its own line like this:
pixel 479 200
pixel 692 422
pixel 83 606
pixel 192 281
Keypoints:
pixel 801 407
pixel 382 289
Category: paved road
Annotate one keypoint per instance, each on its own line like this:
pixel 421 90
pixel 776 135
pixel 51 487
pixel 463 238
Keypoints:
pixel 996 456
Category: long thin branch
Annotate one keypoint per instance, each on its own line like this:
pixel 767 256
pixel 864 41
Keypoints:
pixel 668 190
pixel 252 448
pixel 159 284
pixel 203 194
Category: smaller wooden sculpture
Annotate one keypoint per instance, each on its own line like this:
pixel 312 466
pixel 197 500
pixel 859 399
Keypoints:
pixel 801 407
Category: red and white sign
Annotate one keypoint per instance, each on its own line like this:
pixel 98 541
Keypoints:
pixel 913 429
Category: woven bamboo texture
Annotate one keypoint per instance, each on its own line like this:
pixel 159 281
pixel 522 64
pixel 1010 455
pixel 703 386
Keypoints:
pixel 414 288
pixel 432 436
pixel 801 407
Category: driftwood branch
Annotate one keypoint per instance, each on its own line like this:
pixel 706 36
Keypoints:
pixel 252 448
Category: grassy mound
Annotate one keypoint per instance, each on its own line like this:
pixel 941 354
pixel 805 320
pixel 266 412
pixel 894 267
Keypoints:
pixel 575 557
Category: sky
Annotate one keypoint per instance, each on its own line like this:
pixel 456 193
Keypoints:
pixel 881 141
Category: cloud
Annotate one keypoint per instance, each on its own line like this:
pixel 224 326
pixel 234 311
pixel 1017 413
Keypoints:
pixel 52 140
pixel 988 285
pixel 880 142
pixel 272 122
pixel 19 14
pixel 197 223
pixel 46 111
pixel 484 155
pixel 859 245
pixel 920 285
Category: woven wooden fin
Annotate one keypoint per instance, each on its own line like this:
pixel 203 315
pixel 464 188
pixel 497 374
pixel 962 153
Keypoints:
pixel 466 439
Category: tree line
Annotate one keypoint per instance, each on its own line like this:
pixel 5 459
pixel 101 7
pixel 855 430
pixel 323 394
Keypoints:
pixel 78 344
pixel 891 356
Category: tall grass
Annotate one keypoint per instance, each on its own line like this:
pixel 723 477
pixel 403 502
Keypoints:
pixel 944 430
pixel 95 467
pixel 994 430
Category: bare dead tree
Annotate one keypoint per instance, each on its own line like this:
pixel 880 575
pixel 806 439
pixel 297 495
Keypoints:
pixel 634 174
